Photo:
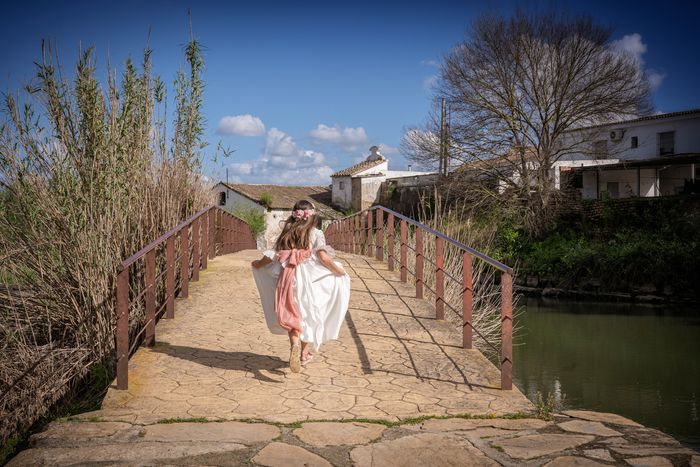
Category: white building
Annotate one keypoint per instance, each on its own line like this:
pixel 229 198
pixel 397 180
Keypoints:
pixel 657 155
pixel 275 202
pixel 358 187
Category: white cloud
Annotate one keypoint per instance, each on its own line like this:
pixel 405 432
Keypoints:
pixel 655 78
pixel 283 162
pixel 633 46
pixel 387 150
pixel 429 82
pixel 240 125
pixel 242 168
pixel 347 138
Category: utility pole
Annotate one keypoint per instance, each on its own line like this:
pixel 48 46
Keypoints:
pixel 443 139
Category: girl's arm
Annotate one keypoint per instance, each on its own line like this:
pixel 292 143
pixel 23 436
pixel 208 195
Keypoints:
pixel 260 263
pixel 328 262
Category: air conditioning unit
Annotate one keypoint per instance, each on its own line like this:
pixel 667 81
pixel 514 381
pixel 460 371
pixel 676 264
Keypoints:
pixel 616 135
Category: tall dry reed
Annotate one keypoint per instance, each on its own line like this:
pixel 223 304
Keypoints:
pixel 89 173
pixel 457 221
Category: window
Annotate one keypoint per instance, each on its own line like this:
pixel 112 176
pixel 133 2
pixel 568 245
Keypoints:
pixel 614 189
pixel 634 142
pixel 341 185
pixel 222 198
pixel 600 149
pixel 666 143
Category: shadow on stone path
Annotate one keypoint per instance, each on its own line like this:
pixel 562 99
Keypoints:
pixel 216 361
pixel 393 359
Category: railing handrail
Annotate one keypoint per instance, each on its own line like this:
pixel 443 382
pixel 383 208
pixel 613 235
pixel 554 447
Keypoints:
pixel 154 244
pixel 484 257
pixel 366 235
pixel 213 231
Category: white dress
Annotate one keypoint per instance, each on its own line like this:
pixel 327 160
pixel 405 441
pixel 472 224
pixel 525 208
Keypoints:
pixel 321 297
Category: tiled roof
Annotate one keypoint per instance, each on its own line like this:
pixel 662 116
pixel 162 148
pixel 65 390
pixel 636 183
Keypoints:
pixel 642 119
pixel 284 197
pixel 357 168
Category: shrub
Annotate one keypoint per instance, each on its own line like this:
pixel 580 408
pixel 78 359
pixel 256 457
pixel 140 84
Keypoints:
pixel 266 199
pixel 254 218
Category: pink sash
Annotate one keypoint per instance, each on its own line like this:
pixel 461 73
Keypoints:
pixel 288 315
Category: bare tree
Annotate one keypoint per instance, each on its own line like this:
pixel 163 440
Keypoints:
pixel 520 91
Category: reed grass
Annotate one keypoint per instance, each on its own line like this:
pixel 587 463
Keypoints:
pixel 89 173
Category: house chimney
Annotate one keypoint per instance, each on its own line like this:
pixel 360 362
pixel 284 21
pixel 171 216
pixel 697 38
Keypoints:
pixel 409 167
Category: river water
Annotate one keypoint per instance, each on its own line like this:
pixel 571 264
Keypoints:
pixel 639 361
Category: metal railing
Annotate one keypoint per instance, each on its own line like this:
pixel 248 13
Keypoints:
pixel 207 234
pixel 366 232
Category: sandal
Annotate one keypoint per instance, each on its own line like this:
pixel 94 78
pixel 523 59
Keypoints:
pixel 295 358
pixel 305 361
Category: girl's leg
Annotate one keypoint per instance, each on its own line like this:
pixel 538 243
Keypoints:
pixel 306 354
pixel 295 352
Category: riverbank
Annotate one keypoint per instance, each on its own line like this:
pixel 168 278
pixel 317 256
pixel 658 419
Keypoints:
pixel 643 296
pixel 571 438
pixel 633 249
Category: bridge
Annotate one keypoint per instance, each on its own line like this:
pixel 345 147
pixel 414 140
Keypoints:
pixel 397 357
pixel 403 385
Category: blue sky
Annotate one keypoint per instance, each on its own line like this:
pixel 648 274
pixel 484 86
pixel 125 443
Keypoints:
pixel 308 86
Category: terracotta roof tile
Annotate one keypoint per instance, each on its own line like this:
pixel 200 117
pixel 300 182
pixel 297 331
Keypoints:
pixel 284 197
pixel 357 168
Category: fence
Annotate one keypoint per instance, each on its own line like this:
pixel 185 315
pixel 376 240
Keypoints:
pixel 171 261
pixel 368 232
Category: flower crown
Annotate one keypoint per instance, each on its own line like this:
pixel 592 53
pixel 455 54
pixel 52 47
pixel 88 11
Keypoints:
pixel 303 213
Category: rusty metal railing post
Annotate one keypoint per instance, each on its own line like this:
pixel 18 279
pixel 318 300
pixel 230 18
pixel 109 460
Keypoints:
pixel 236 235
pixel 506 330
pixel 205 239
pixel 211 220
pixel 170 277
pixel 404 254
pixel 363 235
pixel 439 278
pixel 370 234
pixel 185 261
pixel 123 329
pixel 150 337
pixel 419 262
pixel 217 232
pixel 195 249
pixel 467 301
pixel 379 238
pixel 355 242
pixel 390 242
pixel 344 230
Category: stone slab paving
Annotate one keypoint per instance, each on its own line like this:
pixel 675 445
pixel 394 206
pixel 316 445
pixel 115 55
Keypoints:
pixel 394 390
pixel 431 442
pixel 393 360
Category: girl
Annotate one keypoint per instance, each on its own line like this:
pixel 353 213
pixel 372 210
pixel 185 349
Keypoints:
pixel 304 293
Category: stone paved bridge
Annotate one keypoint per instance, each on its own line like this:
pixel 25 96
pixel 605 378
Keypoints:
pixel 394 362
pixel 393 359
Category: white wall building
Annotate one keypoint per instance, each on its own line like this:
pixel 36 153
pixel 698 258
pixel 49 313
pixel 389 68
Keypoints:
pixel 235 197
pixel 359 186
pixel 657 155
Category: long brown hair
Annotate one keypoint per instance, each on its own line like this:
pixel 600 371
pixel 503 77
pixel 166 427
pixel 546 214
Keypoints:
pixel 296 232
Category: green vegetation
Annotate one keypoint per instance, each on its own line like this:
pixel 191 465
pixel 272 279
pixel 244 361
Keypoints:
pixel 266 199
pixel 12 446
pixel 254 218
pixel 88 176
pixel 168 421
pixel 545 406
pixel 620 246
